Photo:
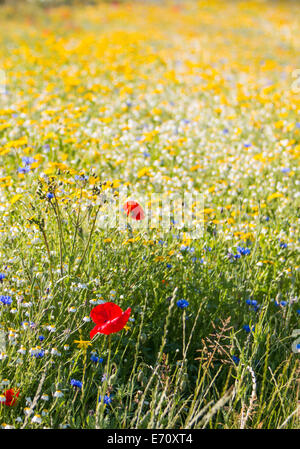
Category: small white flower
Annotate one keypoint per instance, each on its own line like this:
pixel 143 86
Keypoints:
pixel 34 351
pixel 37 419
pixel 6 426
pixel 27 411
pixel 58 394
pixel 54 351
pixel 22 350
pixel 3 355
pixel 26 304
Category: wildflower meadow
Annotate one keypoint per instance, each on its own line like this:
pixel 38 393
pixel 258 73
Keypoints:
pixel 149 214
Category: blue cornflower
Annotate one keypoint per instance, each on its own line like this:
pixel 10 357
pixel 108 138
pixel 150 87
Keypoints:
pixel 253 304
pixel 283 245
pixel 28 160
pixel 187 249
pixel 246 327
pixel 50 195
pixel 106 399
pixel 169 265
pixel 6 300
pixel 2 276
pixel 243 251
pixel 235 359
pixel 182 303
pixel 281 303
pixel 23 170
pixel 41 337
pixel 96 359
pixel 298 311
pixel 39 355
pixel 76 383
pixel 81 178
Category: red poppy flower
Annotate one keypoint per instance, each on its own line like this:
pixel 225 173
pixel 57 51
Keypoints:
pixel 134 209
pixel 11 396
pixel 109 318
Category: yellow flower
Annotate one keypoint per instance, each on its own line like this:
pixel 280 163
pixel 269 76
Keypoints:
pixel 144 172
pixel 15 198
pixel 274 195
pixel 83 344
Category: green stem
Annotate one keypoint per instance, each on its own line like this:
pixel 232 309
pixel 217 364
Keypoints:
pixel 61 240
pixel 49 255
pixel 88 242
pixel 76 229
pixel 100 405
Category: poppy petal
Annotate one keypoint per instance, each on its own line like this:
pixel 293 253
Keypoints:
pixel 95 331
pixel 116 324
pixel 11 396
pixel 112 326
pixel 105 312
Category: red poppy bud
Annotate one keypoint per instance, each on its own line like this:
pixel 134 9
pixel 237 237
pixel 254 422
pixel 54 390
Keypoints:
pixel 11 397
pixel 134 209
